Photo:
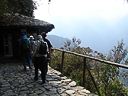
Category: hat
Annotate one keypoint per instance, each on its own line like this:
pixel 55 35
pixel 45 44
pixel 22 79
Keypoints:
pixel 31 37
pixel 23 33
pixel 39 37
pixel 24 37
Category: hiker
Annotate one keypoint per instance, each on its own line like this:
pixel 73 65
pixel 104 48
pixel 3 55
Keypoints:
pixel 31 38
pixel 25 50
pixel 44 35
pixel 40 59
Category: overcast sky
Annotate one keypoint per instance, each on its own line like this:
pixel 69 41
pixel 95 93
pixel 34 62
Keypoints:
pixel 84 19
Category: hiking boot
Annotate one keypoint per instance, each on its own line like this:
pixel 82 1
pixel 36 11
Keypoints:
pixel 30 67
pixel 35 78
pixel 43 82
pixel 25 69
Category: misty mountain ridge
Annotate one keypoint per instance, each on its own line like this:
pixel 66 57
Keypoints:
pixel 57 41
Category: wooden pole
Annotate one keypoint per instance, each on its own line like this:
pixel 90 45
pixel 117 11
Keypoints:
pixel 84 68
pixel 62 62
pixel 93 81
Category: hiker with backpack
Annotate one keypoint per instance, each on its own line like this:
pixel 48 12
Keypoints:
pixel 25 50
pixel 40 49
pixel 44 35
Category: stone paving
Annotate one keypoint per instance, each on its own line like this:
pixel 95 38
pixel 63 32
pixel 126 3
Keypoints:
pixel 14 81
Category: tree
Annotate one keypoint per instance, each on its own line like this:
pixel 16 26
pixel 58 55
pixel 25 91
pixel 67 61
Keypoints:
pixel 24 7
pixel 76 43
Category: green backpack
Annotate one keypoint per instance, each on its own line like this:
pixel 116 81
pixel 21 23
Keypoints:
pixel 24 44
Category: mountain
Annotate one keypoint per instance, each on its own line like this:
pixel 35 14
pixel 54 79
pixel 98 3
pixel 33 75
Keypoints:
pixel 56 41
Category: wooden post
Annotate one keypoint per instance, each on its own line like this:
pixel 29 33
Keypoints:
pixel 62 62
pixel 93 81
pixel 84 68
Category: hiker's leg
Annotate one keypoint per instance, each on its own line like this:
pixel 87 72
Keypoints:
pixel 36 68
pixel 23 60
pixel 28 59
pixel 46 65
pixel 43 68
pixel 30 56
pixel 30 62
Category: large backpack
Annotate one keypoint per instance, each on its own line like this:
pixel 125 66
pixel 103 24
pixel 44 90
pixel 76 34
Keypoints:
pixel 24 44
pixel 43 48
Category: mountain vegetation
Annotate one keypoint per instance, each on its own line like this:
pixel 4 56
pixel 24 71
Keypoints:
pixel 24 7
pixel 106 76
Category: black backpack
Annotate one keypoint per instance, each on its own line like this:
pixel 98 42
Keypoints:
pixel 24 44
pixel 43 48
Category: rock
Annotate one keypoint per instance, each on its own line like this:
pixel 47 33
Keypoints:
pixel 85 91
pixel 60 90
pixel 70 92
pixel 72 84
pixel 66 81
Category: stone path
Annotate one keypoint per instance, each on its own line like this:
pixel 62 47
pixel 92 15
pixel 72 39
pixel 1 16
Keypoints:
pixel 14 81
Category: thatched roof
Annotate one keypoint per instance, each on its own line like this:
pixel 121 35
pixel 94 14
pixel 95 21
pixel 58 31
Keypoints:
pixel 21 20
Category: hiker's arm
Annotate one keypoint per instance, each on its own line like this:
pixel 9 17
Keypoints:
pixel 50 47
pixel 50 51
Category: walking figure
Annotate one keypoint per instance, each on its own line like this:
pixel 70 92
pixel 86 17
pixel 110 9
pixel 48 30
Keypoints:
pixel 25 50
pixel 40 50
pixel 44 35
